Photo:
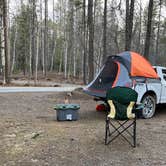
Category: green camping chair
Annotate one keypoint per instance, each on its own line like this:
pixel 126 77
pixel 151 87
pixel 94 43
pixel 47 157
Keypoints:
pixel 121 103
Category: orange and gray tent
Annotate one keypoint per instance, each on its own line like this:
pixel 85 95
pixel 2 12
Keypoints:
pixel 120 70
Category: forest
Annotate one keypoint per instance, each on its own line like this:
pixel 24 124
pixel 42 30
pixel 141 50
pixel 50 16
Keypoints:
pixel 72 38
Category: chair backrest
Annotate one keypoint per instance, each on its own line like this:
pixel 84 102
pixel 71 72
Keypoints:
pixel 122 95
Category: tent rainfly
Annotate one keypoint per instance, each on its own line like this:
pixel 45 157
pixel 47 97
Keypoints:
pixel 120 70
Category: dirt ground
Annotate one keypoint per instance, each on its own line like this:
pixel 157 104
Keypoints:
pixel 30 135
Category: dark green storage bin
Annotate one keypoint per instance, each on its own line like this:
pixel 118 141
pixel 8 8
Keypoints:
pixel 67 112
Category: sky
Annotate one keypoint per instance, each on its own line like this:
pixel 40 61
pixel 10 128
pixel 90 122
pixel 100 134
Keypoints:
pixel 14 4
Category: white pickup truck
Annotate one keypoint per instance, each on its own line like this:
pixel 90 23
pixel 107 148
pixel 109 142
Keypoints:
pixel 151 91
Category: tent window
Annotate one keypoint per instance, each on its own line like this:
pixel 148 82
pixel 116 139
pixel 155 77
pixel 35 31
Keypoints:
pixel 106 77
pixel 155 69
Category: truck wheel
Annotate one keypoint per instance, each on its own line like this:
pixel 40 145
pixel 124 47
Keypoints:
pixel 149 103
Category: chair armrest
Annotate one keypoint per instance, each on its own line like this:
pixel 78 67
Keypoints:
pixel 138 110
pixel 139 106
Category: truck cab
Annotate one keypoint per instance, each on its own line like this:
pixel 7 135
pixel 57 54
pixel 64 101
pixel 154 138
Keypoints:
pixel 161 71
pixel 151 91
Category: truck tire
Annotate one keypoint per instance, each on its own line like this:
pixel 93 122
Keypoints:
pixel 149 103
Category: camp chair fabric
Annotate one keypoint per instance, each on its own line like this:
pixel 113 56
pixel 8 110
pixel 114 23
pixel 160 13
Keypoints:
pixel 119 111
pixel 122 95
pixel 121 102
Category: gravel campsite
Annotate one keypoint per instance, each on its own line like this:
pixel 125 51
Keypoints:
pixel 31 135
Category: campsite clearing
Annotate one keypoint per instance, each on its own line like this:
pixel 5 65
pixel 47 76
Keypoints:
pixel 30 134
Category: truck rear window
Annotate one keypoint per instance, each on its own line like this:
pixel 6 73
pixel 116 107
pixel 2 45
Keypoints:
pixel 164 77
pixel 164 71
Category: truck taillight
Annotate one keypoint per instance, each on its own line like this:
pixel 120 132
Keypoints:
pixel 134 82
pixel 128 84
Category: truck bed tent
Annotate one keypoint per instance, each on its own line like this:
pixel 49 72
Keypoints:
pixel 119 70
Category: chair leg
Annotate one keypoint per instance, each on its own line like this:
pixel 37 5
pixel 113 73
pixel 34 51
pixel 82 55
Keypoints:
pixel 107 131
pixel 134 134
pixel 132 142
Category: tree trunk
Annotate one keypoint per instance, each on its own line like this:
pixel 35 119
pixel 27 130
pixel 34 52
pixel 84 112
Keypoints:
pixel 41 38
pixel 74 62
pixel 5 25
pixel 84 43
pixel 129 23
pixel 37 57
pixel 3 56
pixel 53 40
pixel 91 39
pixel 30 55
pixel 65 45
pixel 116 39
pixel 30 45
pixel 46 38
pixel 70 41
pixel 105 32
pixel 149 29
pixel 65 59
pixel 33 26
pixel 8 22
pixel 14 49
pixel 140 29
pixel 62 47
pixel 127 26
pixel 53 54
pixel 60 63
pixel 158 33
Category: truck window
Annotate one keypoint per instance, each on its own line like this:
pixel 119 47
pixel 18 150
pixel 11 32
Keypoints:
pixel 164 77
pixel 164 71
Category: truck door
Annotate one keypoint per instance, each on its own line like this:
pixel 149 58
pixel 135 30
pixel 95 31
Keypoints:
pixel 163 90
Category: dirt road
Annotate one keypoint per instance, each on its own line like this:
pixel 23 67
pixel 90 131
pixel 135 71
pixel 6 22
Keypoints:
pixel 38 89
pixel 30 135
